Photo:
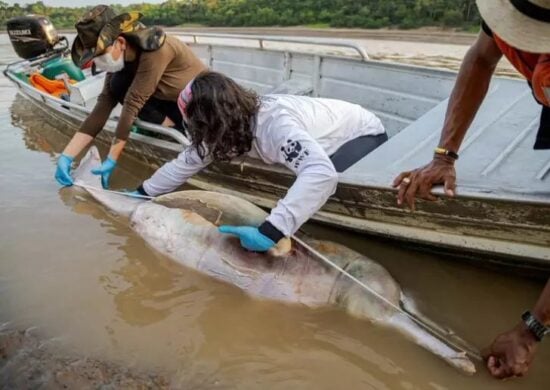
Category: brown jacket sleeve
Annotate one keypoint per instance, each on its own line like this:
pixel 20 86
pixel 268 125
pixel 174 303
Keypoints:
pixel 149 72
pixel 95 122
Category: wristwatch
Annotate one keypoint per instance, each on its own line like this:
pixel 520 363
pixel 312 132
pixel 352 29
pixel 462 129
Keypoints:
pixel 535 326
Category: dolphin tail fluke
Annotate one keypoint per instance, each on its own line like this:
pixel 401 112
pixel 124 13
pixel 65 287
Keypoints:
pixel 452 355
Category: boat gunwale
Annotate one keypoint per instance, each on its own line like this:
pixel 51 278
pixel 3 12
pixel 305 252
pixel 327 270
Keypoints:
pixel 343 43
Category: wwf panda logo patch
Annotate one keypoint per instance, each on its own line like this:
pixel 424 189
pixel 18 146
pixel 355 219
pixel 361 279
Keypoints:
pixel 294 152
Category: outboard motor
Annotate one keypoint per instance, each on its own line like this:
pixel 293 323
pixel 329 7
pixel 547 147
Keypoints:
pixel 32 35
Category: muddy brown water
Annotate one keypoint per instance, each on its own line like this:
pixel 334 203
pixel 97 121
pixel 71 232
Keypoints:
pixel 88 287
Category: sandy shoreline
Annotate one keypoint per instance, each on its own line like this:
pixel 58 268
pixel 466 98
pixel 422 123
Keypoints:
pixel 432 35
pixel 427 47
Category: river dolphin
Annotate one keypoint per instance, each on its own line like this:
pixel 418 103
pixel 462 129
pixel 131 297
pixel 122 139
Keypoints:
pixel 183 226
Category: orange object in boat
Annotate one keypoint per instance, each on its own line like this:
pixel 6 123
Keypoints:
pixel 53 87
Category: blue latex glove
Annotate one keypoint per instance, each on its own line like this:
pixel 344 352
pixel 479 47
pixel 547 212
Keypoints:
pixel 250 237
pixel 106 170
pixel 63 171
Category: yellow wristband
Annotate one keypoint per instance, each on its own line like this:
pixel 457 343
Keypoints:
pixel 446 152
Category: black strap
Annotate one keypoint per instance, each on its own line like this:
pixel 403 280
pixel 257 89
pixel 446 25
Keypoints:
pixel 270 231
pixel 536 327
pixel 532 10
pixel 141 190
pixel 543 135
pixel 486 28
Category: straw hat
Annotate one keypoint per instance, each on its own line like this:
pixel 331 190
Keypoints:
pixel 523 24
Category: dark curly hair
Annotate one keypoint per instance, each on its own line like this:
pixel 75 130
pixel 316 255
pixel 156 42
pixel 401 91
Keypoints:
pixel 220 116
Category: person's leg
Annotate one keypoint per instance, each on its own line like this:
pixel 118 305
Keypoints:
pixel 156 111
pixel 354 150
pixel 173 112
pixel 152 112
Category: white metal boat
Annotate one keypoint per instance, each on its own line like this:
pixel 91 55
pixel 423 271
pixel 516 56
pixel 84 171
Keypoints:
pixel 502 211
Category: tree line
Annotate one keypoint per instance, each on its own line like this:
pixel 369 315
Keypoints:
pixel 238 13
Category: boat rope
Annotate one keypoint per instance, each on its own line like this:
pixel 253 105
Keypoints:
pixel 431 330
pixel 470 351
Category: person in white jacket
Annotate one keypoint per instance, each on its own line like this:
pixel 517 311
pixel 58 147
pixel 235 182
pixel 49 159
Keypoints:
pixel 314 138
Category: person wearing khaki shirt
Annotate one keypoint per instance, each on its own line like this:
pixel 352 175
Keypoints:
pixel 146 70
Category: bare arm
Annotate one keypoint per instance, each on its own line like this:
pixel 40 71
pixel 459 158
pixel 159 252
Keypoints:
pixel 470 89
pixel 542 307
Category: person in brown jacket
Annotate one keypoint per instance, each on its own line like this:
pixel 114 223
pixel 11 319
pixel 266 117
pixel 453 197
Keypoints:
pixel 146 70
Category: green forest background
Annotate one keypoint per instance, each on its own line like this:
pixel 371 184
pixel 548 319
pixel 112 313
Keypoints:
pixel 404 14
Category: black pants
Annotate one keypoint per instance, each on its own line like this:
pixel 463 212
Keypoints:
pixel 155 110
pixel 354 150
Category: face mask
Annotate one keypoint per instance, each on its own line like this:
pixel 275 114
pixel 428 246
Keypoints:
pixel 107 63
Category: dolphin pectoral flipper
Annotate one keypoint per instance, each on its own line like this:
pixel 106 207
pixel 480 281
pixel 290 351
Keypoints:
pixel 220 209
pixel 211 214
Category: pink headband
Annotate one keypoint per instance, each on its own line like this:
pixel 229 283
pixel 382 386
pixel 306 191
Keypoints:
pixel 185 97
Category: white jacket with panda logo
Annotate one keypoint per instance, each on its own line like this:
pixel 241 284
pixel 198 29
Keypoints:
pixel 297 132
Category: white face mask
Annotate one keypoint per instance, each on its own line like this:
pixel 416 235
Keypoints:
pixel 107 63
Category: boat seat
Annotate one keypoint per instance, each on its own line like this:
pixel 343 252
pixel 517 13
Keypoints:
pixel 293 87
